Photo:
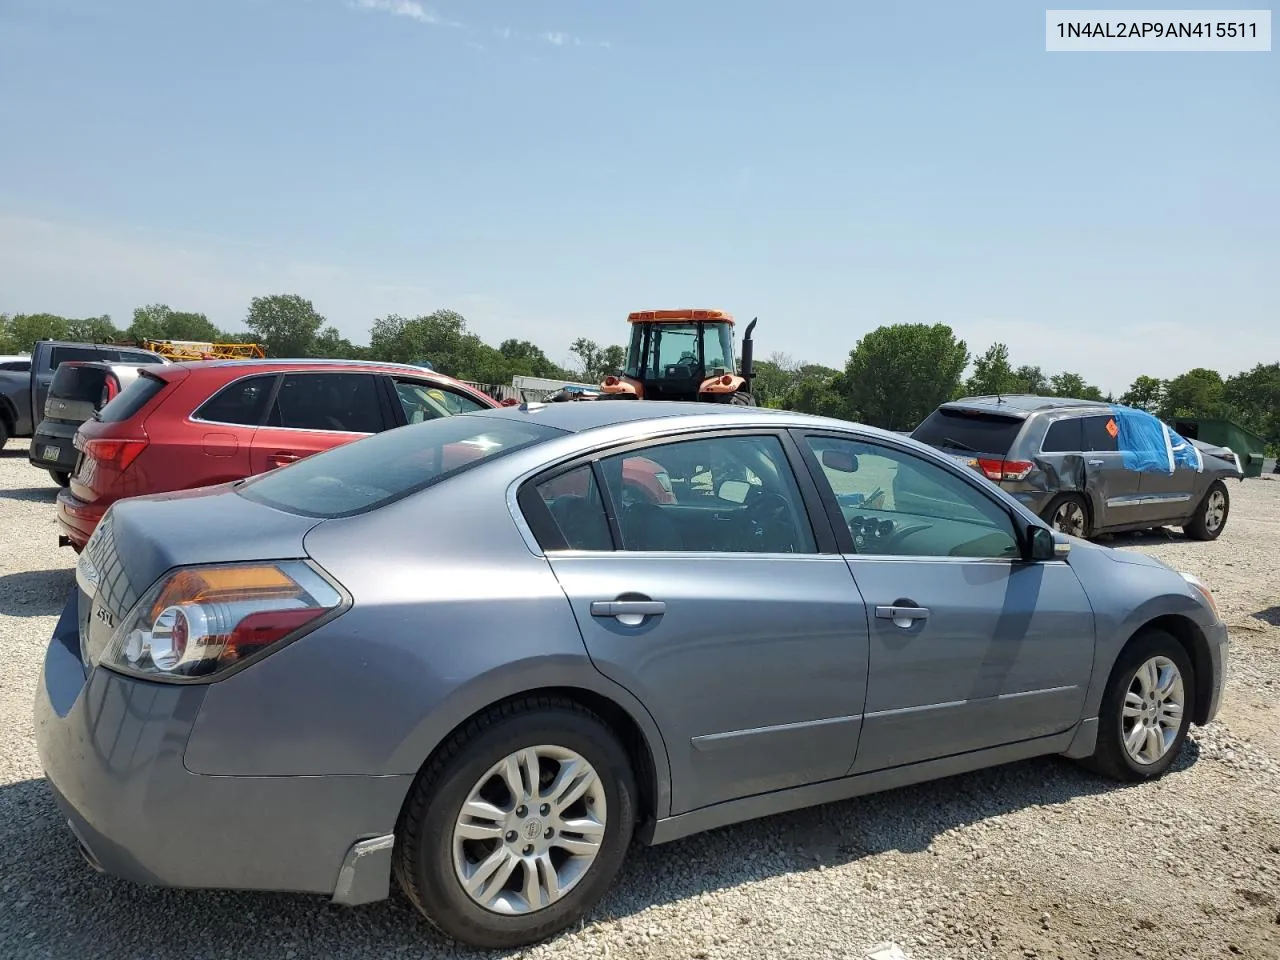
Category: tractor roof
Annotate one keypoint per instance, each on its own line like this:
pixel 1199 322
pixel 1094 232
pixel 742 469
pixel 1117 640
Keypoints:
pixel 679 316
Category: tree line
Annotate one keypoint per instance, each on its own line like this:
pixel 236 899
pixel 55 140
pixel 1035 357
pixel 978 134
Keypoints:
pixel 893 377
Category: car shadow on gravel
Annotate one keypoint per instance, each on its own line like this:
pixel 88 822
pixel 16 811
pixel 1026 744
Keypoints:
pixel 36 593
pixel 1270 615
pixel 52 903
pixel 1145 538
pixel 31 494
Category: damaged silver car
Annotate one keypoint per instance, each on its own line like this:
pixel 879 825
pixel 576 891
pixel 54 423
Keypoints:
pixel 1088 467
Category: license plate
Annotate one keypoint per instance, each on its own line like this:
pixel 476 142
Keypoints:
pixel 51 453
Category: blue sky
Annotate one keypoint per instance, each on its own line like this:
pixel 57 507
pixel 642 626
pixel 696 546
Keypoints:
pixel 546 166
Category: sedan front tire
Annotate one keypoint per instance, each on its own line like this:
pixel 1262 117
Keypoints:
pixel 1146 709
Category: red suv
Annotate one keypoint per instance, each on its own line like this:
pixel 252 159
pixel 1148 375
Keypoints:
pixel 185 425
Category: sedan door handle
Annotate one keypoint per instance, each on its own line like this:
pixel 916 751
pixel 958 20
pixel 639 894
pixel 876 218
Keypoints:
pixel 280 458
pixel 1095 463
pixel 902 616
pixel 627 608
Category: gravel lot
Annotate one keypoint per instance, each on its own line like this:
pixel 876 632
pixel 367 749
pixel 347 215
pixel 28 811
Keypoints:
pixel 1038 859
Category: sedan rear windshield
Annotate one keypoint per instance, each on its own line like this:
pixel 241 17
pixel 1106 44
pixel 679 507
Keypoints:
pixel 969 431
pixel 369 473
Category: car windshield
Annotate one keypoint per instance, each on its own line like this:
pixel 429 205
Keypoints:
pixel 369 473
pixel 969 431
pixel 673 350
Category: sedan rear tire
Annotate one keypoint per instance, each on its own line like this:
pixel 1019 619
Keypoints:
pixel 1146 710
pixel 1211 515
pixel 518 825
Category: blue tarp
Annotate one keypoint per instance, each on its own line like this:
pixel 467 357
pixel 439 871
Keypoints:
pixel 1149 445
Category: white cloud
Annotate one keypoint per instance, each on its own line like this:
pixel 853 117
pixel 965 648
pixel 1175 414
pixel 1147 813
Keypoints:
pixel 406 8
pixel 559 38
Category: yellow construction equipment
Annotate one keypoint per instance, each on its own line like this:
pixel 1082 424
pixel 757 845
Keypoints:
pixel 179 350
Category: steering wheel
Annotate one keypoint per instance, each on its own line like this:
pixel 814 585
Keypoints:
pixel 769 514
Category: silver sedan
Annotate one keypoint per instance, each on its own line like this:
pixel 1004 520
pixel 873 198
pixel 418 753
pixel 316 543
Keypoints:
pixel 482 654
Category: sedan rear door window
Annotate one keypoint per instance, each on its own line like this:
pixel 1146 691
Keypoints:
pixel 573 502
pixel 728 494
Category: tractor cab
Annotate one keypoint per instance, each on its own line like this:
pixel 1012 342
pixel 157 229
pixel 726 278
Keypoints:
pixel 683 355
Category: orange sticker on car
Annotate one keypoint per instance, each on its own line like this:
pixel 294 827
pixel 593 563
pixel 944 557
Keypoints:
pixel 1113 429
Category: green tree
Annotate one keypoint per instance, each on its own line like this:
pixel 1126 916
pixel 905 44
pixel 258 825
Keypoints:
pixel 1073 385
pixel 93 330
pixel 1196 393
pixel 441 339
pixel 597 362
pixel 897 375
pixel 332 345
pixel 158 321
pixel 1029 379
pixel 25 329
pixel 1145 393
pixel 773 379
pixel 819 390
pixel 285 324
pixel 1254 399
pixel 526 359
pixel 992 373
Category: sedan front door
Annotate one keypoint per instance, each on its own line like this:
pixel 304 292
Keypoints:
pixel 718 609
pixel 971 646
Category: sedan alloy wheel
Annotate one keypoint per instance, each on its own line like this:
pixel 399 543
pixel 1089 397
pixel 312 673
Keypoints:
pixel 529 830
pixel 1153 708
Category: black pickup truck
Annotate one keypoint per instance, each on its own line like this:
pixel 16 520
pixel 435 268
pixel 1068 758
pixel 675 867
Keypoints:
pixel 23 392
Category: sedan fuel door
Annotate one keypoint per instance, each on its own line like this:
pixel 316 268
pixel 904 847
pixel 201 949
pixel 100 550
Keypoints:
pixel 709 593
pixel 972 647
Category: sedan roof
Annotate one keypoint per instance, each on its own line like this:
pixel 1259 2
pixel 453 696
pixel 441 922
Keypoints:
pixel 582 415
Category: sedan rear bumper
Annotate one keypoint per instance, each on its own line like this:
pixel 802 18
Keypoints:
pixel 112 749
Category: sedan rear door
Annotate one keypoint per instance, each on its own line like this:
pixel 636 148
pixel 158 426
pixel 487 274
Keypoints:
pixel 724 608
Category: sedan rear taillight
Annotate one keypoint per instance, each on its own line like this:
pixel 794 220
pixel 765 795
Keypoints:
pixel 118 453
pixel 199 622
pixel 1005 469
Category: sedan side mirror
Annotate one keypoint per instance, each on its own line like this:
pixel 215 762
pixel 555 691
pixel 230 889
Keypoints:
pixel 1044 544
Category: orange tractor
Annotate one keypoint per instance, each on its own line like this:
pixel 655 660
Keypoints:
pixel 683 355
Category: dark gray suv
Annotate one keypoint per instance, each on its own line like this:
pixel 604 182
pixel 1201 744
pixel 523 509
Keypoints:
pixel 1087 467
